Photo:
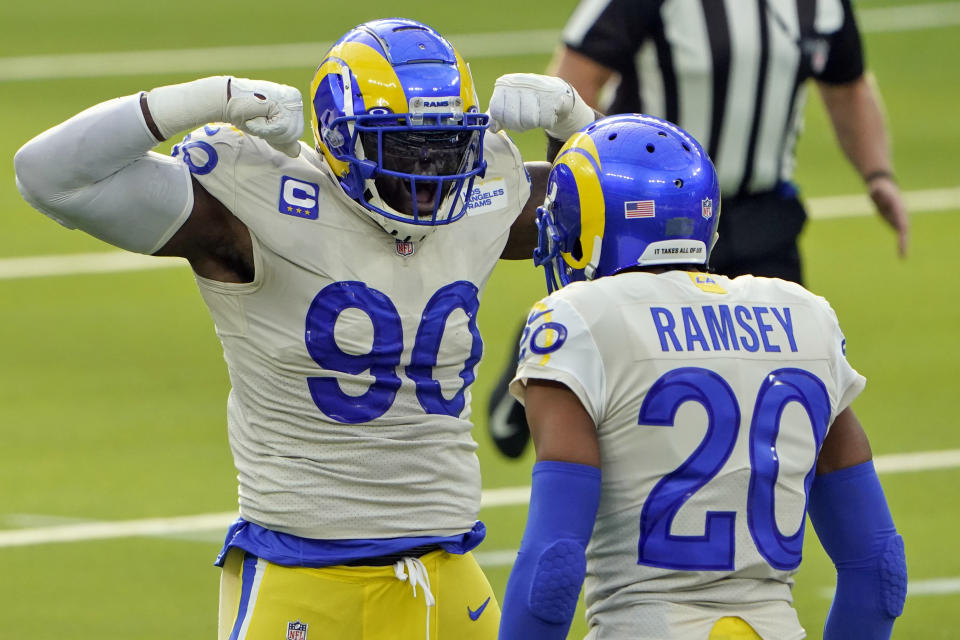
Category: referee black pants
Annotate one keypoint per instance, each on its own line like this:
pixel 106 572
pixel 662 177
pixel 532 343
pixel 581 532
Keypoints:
pixel 758 236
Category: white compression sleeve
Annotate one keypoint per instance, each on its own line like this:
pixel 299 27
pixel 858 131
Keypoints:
pixel 186 106
pixel 95 172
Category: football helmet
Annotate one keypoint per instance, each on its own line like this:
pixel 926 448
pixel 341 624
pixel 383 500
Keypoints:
pixel 628 190
pixel 395 116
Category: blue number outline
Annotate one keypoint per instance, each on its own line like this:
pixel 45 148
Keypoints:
pixel 213 158
pixel 426 347
pixel 715 549
pixel 384 358
pixel 556 327
pixel 780 388
pixel 386 352
pixel 657 546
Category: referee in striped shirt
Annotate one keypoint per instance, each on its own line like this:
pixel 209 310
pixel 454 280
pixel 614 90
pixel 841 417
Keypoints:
pixel 734 74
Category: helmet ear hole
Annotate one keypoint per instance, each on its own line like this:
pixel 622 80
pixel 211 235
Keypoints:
pixel 577 251
pixel 650 148
pixel 678 182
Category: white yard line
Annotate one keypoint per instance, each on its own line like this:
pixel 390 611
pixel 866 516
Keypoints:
pixel 935 587
pixel 858 205
pixel 78 263
pixel 472 46
pixel 922 201
pixel 909 17
pixel 497 558
pixel 115 529
pixel 920 461
pixel 506 496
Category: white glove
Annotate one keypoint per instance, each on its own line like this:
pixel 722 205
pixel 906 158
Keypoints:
pixel 523 101
pixel 265 109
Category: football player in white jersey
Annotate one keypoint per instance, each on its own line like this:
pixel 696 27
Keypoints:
pixel 343 279
pixel 684 422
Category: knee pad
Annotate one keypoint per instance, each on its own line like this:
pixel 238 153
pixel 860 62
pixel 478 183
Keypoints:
pixel 893 576
pixel 557 578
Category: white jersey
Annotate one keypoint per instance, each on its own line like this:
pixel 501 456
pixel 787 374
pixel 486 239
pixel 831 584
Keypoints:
pixel 351 354
pixel 711 398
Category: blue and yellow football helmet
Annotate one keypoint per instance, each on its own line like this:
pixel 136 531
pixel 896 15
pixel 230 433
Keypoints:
pixel 626 191
pixel 395 116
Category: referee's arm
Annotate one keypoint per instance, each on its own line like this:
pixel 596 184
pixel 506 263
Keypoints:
pixel 586 75
pixel 858 121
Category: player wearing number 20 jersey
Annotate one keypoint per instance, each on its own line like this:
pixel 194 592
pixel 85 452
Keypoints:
pixel 712 398
pixel 684 422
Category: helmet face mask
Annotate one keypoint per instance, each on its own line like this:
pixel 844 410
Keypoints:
pixel 627 191
pixel 547 253
pixel 396 117
pixel 418 169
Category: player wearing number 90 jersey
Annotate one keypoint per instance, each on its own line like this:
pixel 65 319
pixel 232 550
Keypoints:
pixel 680 418
pixel 344 280
pixel 353 349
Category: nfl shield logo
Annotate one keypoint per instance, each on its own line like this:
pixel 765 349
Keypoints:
pixel 818 49
pixel 297 630
pixel 404 248
pixel 706 208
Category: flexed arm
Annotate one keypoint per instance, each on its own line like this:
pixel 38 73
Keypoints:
pixel 96 171
pixel 523 101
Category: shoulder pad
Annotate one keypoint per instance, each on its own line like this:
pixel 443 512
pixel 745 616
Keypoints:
pixel 198 149
pixel 500 142
pixel 215 132
pixel 498 146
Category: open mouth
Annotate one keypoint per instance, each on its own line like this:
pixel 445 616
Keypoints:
pixel 425 199
pixel 419 168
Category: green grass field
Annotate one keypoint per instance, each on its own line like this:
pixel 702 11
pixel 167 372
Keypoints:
pixel 113 388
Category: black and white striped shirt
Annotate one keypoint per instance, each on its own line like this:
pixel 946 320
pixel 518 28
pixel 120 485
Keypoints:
pixel 731 72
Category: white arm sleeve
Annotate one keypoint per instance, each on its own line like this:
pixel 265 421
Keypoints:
pixel 95 172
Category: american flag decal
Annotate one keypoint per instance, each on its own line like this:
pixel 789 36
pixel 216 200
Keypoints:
pixel 297 630
pixel 639 209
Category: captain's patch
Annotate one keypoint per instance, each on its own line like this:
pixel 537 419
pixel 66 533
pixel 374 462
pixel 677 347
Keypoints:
pixel 298 198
